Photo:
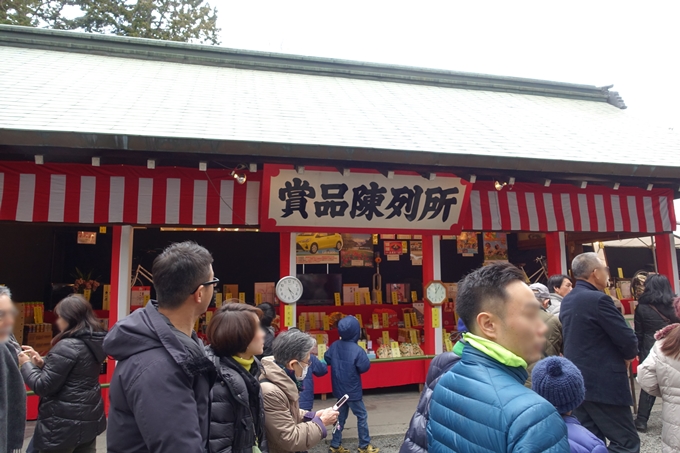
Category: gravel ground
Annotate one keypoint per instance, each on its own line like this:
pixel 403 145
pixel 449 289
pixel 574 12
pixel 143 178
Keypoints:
pixel 651 440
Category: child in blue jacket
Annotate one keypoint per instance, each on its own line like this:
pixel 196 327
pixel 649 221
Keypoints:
pixel 559 381
pixel 317 368
pixel 348 361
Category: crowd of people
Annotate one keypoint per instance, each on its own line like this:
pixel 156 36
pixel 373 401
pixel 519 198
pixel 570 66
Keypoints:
pixel 538 369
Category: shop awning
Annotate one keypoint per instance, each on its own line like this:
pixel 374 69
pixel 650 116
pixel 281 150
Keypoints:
pixel 72 193
pixel 528 207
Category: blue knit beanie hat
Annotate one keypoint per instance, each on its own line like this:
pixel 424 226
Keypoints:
pixel 559 381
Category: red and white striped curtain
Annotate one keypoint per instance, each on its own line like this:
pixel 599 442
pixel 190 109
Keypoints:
pixel 76 193
pixel 530 207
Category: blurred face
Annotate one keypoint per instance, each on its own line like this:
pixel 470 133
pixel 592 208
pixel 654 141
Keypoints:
pixel 256 347
pixel 518 327
pixel 600 276
pixel 7 317
pixel 299 367
pixel 565 288
pixel 61 324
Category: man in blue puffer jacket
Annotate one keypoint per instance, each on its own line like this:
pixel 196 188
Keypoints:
pixel 348 361
pixel 482 405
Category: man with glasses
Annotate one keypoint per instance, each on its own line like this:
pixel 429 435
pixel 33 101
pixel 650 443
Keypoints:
pixel 12 390
pixel 602 345
pixel 160 390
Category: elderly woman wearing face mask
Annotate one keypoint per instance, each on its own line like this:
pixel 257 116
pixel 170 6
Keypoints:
pixel 289 428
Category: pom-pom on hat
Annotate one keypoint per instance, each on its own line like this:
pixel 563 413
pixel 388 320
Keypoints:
pixel 559 381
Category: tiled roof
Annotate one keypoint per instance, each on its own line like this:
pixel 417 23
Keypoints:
pixel 51 90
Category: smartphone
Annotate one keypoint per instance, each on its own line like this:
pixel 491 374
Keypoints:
pixel 340 402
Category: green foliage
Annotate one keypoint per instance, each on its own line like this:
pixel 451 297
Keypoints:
pixel 173 20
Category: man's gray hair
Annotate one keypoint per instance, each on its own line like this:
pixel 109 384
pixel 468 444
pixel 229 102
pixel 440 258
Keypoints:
pixel 4 291
pixel 584 265
pixel 292 345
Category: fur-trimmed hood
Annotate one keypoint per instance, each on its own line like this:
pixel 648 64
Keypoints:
pixel 663 333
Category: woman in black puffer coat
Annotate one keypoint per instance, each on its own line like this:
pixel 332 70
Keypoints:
pixel 71 410
pixel 237 412
pixel 653 313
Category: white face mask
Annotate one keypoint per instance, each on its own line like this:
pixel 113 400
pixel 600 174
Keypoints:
pixel 305 370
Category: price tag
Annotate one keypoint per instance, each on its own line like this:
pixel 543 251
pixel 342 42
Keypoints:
pixel 386 337
pixel 395 298
pixel 362 344
pixel 242 298
pixel 414 319
pixel 338 301
pixel 228 296
pixel 448 344
pixel 436 322
pixel 367 298
pixel 301 323
pixel 395 349
pixel 378 296
pixel 320 338
pixel 361 321
pixel 326 323
pixel 414 336
pixel 414 296
pixel 258 298
pixel 321 348
pixel 386 320
pixel 407 320
pixel 357 298
pixel 376 321
pixel 620 273
pixel 288 317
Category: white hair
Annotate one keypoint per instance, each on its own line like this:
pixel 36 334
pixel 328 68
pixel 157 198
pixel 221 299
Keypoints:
pixel 584 265
pixel 4 291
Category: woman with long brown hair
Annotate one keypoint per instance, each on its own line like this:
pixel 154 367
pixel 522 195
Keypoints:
pixel 71 411
pixel 659 375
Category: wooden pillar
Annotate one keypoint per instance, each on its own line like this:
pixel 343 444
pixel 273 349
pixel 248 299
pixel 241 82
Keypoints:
pixel 556 251
pixel 432 271
pixel 287 267
pixel 667 258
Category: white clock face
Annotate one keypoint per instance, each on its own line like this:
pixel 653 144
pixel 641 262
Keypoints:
pixel 289 290
pixel 436 293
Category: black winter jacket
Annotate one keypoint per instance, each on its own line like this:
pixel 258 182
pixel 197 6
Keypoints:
pixel 648 322
pixel 236 417
pixel 160 390
pixel 598 340
pixel 416 436
pixel 71 410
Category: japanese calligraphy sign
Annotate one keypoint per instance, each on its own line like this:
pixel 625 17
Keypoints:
pixel 322 199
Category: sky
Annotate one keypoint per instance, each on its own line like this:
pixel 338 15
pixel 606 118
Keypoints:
pixel 632 45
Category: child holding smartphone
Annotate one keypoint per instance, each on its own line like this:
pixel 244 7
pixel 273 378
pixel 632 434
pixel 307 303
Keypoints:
pixel 348 361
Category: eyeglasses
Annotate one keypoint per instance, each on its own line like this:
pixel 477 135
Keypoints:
pixel 213 282
pixel 13 312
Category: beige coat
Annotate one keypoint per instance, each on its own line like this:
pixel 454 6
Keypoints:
pixel 287 429
pixel 659 375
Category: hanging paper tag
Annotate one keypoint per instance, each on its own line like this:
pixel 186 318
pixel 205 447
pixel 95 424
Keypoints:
pixel 620 273
pixel 414 319
pixel 395 298
pixel 376 321
pixel 242 298
pixel 357 298
pixel 218 300
pixel 395 349
pixel 258 298
pixel 448 344
pixel 208 316
pixel 362 344
pixel 386 337
pixel 361 321
pixel 228 296
pixel 407 320
pixel 288 320
pixel 320 338
pixel 608 292
pixel 435 318
pixel 619 294
pixel 378 296
pixel 302 325
pixel 321 350
pixel 414 296
pixel 386 320
pixel 338 301
pixel 414 336
pixel 326 323
pixel 367 298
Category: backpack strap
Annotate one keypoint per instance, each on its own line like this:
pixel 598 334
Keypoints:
pixel 665 318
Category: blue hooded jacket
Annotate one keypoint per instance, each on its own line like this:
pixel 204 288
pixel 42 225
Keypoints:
pixel 482 406
pixel 316 368
pixel 348 360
